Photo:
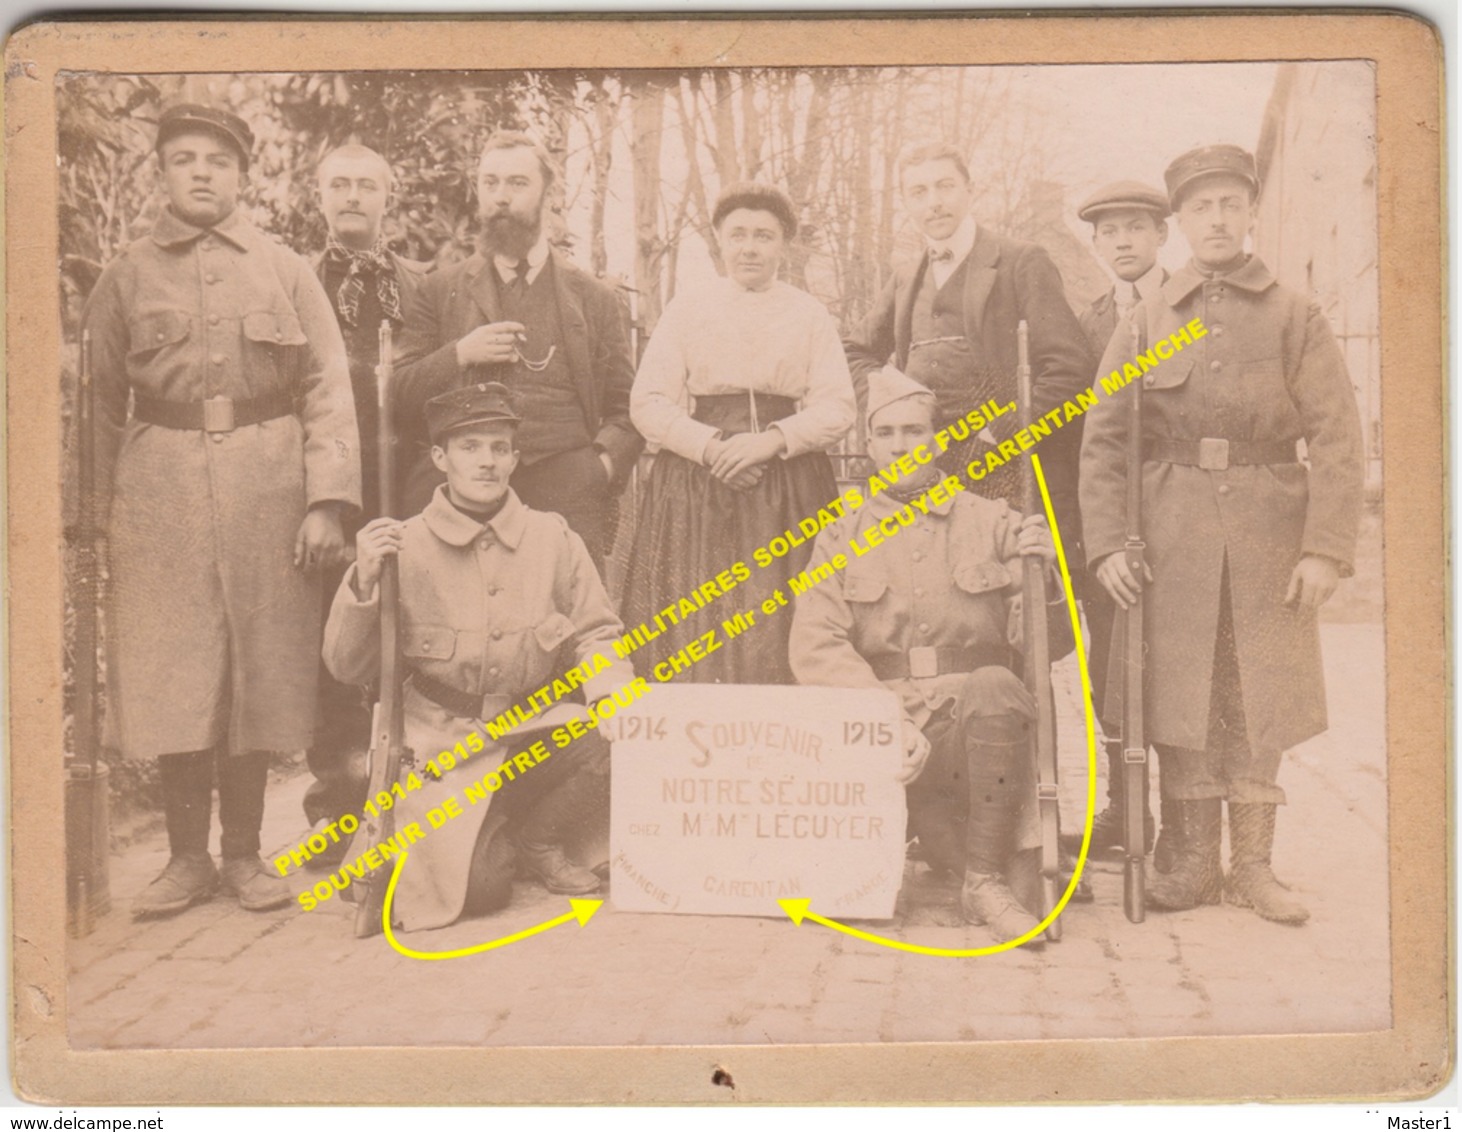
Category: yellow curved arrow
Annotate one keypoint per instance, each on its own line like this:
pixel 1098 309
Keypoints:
pixel 799 910
pixel 583 911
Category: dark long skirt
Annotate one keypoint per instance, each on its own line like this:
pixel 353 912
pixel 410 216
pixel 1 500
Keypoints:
pixel 693 528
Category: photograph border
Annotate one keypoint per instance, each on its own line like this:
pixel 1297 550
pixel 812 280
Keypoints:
pixel 1411 1059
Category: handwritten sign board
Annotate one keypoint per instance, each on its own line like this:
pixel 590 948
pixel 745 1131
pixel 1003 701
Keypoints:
pixel 727 799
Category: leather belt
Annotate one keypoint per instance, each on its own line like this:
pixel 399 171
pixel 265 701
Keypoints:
pixel 1215 454
pixel 926 661
pixel 217 414
pixel 460 703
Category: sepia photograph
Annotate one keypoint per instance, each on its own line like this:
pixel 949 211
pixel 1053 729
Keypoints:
pixel 885 552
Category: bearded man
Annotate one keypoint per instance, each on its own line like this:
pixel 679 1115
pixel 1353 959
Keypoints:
pixel 518 312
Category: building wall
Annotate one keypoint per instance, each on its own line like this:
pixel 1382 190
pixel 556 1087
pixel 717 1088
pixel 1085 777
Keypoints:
pixel 1317 213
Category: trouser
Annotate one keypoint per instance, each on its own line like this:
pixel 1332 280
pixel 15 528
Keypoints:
pixel 988 716
pixel 575 485
pixel 338 756
pixel 565 798
pixel 187 786
pixel 1228 766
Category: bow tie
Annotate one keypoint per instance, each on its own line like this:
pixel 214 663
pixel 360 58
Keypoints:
pixel 941 255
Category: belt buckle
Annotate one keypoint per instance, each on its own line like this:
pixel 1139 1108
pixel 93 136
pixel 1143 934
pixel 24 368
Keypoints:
pixel 218 415
pixel 1213 454
pixel 923 662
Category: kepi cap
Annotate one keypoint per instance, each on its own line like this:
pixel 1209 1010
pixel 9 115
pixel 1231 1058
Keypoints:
pixel 190 117
pixel 1230 160
pixel 489 402
pixel 1124 195
pixel 887 385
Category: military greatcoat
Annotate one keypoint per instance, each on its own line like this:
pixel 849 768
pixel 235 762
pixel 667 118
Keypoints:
pixel 495 610
pixel 212 631
pixel 1267 370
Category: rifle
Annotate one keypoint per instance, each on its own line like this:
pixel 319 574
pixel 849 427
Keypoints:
pixel 388 731
pixel 1038 656
pixel 1134 740
pixel 84 601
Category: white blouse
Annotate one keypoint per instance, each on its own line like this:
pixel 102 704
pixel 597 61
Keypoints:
pixel 724 338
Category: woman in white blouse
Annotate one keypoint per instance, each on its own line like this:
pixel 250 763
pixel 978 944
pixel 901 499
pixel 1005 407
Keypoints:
pixel 743 388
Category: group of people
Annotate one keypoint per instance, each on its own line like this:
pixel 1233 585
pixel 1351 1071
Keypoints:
pixel 242 499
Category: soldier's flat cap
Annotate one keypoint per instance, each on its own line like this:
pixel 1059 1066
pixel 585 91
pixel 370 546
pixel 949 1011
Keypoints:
pixel 488 402
pixel 191 117
pixel 1124 195
pixel 1230 160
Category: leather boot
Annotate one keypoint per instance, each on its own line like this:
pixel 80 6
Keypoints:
pixel 1165 852
pixel 1197 876
pixel 995 773
pixel 1108 828
pixel 259 888
pixel 187 795
pixel 1251 882
pixel 580 799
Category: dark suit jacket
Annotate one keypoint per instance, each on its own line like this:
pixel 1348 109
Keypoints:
pixel 1099 321
pixel 456 300
pixel 1006 281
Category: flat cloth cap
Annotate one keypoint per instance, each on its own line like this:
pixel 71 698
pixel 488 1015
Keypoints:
pixel 1124 195
pixel 488 402
pixel 1230 160
pixel 887 385
pixel 190 117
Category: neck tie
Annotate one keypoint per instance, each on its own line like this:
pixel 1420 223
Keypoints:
pixel 941 255
pixel 520 277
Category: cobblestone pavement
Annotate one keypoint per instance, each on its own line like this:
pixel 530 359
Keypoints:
pixel 217 976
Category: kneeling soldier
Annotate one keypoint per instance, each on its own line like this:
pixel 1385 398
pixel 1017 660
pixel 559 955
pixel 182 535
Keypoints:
pixel 497 602
pixel 934 615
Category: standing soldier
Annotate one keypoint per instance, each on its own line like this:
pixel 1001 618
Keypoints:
pixel 222 497
pixel 1243 543
pixel 518 312
pixel 1128 225
pixel 367 284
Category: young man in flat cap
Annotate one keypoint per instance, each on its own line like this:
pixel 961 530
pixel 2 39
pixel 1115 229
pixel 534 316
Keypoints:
pixel 497 601
pixel 1128 225
pixel 519 312
pixel 222 496
pixel 367 284
pixel 934 615
pixel 1244 542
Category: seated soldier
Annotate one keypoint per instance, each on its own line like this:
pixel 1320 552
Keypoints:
pixel 497 602
pixel 934 615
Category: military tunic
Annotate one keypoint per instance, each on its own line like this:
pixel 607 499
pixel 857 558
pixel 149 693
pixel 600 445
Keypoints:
pixel 1267 370
pixel 496 610
pixel 952 579
pixel 212 632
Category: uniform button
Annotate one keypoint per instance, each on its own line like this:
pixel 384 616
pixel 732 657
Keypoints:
pixel 493 671
pixel 1216 297
pixel 923 626
pixel 918 556
pixel 279 336
pixel 918 591
pixel 218 438
pixel 497 634
pixel 1217 331
pixel 1215 366
pixel 1223 489
pixel 217 359
pixel 1147 380
pixel 160 335
pixel 426 646
pixel 213 320
pixel 485 544
pixel 492 591
pixel 210 278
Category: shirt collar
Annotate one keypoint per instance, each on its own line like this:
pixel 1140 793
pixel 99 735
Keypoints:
pixel 962 240
pixel 171 230
pixel 507 269
pixel 1145 286
pixel 455 528
pixel 1252 276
